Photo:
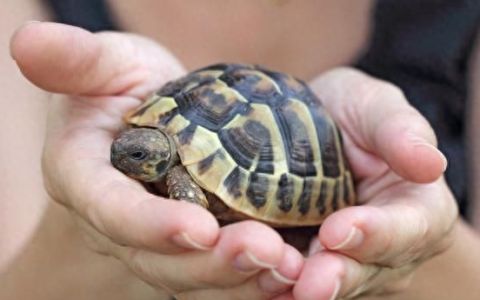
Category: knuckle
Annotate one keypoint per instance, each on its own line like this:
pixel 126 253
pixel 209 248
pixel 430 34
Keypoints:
pixel 386 238
pixel 205 277
pixel 383 281
pixel 443 243
pixel 427 236
pixel 363 280
pixel 373 89
pixel 384 253
pixel 443 231
pixel 157 271
pixel 421 238
pixel 402 245
pixel 209 278
pixel 140 263
pixel 395 286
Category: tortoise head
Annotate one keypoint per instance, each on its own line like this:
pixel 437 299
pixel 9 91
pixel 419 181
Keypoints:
pixel 143 153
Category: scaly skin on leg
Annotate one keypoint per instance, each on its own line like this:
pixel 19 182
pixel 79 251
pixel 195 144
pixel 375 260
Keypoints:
pixel 182 187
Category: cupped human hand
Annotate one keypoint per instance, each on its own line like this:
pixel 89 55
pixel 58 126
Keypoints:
pixel 173 245
pixel 407 213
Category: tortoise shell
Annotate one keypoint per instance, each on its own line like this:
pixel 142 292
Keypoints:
pixel 257 139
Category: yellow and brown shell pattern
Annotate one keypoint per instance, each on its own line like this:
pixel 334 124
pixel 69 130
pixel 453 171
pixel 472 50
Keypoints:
pixel 259 140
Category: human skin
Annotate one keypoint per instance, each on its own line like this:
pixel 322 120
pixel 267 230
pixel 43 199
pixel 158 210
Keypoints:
pixel 326 289
pixel 117 69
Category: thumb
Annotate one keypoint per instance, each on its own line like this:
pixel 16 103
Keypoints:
pixel 407 143
pixel 377 117
pixel 66 59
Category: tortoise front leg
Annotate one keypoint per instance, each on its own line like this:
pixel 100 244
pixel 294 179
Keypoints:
pixel 182 187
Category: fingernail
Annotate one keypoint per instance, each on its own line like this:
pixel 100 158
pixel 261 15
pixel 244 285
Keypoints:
pixel 336 290
pixel 353 239
pixel 273 282
pixel 315 247
pixel 185 241
pixel 439 153
pixel 432 148
pixel 247 262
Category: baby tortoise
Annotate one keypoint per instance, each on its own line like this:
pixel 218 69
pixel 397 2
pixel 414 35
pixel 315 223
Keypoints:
pixel 242 141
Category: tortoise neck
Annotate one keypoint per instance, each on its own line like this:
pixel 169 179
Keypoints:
pixel 165 166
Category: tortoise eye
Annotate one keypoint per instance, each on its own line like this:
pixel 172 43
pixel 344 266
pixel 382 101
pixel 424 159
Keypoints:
pixel 138 155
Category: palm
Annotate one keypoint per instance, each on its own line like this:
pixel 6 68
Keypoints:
pixel 170 244
pixel 406 212
pixel 89 127
pixel 389 147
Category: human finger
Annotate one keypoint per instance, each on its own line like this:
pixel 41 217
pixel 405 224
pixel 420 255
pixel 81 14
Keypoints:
pixel 243 250
pixel 66 59
pixel 267 284
pixel 329 276
pixel 414 224
pixel 377 118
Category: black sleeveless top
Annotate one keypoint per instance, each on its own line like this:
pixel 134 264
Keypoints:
pixel 423 46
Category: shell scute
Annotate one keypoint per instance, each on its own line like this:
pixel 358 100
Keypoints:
pixel 259 140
